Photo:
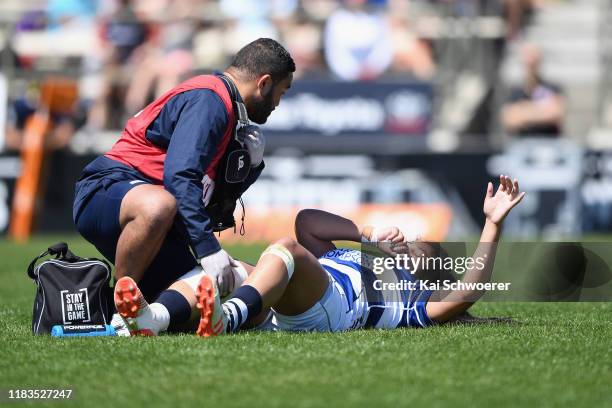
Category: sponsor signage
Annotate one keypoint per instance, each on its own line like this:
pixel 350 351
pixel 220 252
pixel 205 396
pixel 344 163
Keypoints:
pixel 427 221
pixel 353 108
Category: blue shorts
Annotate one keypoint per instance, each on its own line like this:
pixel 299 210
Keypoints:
pixel 329 314
pixel 98 197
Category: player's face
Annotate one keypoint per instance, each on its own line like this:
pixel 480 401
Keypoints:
pixel 268 99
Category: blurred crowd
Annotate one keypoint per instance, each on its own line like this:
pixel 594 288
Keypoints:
pixel 134 50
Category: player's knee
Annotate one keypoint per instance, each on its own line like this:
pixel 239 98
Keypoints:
pixel 286 249
pixel 290 244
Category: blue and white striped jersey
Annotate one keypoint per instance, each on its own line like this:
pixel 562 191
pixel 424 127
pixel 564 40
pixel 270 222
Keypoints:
pixel 370 306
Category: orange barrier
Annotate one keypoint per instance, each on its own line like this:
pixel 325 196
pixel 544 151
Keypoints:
pixel 27 186
pixel 429 221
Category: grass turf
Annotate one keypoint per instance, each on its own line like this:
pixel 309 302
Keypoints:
pixel 559 355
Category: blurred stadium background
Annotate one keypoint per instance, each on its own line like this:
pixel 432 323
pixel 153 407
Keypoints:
pixel 401 110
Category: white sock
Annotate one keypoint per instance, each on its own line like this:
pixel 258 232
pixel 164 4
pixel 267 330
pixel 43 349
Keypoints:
pixel 119 325
pixel 154 317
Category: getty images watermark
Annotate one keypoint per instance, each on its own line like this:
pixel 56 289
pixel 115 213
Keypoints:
pixel 412 264
pixel 507 271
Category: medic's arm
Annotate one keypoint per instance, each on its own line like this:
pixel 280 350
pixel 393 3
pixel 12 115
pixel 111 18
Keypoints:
pixel 200 121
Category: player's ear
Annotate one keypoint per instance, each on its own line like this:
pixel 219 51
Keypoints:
pixel 265 84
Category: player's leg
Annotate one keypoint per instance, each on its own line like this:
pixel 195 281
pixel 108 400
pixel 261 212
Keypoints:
pixel 171 311
pixel 172 280
pixel 180 300
pixel 187 287
pixel 269 284
pixel 140 317
pixel 287 277
pixel 293 294
pixel 147 213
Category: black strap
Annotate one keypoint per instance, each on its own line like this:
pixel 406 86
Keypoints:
pixel 230 85
pixel 240 108
pixel 242 229
pixel 60 251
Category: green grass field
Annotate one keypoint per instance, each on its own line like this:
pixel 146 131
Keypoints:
pixel 558 355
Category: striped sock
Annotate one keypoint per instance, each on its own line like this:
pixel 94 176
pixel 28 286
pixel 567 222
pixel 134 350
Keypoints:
pixel 246 303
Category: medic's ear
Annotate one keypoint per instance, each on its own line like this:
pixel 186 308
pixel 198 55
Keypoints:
pixel 265 84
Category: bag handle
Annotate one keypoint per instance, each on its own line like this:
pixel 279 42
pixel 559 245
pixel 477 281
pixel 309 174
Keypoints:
pixel 60 251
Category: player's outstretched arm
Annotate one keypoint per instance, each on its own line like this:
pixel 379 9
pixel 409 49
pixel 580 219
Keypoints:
pixel 448 304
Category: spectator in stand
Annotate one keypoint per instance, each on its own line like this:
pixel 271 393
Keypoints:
pixel 170 59
pixel 318 10
pixel 537 107
pixel 247 20
pixel 208 46
pixel 358 42
pixel 411 54
pixel 303 40
pixel 125 38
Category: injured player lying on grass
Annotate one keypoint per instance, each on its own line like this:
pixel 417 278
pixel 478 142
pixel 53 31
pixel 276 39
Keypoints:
pixel 310 285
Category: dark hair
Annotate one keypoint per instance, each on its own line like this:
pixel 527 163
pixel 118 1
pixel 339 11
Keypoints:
pixel 264 56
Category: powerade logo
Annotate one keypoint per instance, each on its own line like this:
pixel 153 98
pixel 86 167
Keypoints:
pixel 84 327
pixel 75 306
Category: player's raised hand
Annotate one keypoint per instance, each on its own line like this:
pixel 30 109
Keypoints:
pixel 497 206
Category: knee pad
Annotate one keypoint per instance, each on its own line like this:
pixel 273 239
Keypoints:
pixel 192 278
pixel 284 254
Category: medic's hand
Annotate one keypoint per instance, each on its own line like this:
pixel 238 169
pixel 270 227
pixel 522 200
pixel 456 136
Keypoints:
pixel 255 143
pixel 219 267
